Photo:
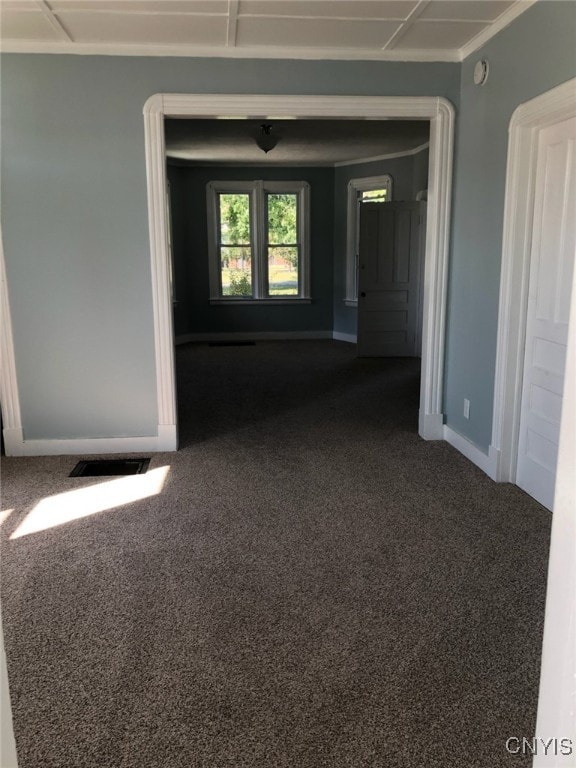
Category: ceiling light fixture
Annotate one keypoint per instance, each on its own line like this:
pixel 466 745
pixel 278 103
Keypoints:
pixel 265 140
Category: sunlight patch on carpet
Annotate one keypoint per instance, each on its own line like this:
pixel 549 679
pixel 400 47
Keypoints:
pixel 83 502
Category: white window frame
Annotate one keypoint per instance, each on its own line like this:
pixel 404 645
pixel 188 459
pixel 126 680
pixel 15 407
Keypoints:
pixel 257 191
pixel 355 186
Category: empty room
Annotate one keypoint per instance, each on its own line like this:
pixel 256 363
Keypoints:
pixel 287 383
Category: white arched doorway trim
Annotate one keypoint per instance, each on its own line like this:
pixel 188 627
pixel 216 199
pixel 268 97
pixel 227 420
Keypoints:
pixel 527 121
pixel 438 111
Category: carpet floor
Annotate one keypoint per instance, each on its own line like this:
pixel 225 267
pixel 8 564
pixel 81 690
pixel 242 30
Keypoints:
pixel 314 585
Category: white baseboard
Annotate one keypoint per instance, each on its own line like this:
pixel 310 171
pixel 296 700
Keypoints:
pixel 165 440
pixel 495 458
pixel 254 336
pixel 431 426
pixel 13 439
pixel 349 337
pixel 485 462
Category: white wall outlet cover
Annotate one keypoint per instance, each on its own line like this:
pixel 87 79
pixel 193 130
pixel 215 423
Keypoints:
pixel 481 72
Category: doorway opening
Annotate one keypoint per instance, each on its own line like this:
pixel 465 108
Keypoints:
pixel 440 115
pixel 528 124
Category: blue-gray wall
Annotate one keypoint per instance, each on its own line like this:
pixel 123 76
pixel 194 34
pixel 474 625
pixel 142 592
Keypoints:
pixel 74 213
pixel 532 55
pixel 193 313
pixel 75 223
pixel 329 188
pixel 409 176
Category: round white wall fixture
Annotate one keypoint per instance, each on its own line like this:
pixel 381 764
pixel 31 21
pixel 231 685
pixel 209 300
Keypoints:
pixel 481 72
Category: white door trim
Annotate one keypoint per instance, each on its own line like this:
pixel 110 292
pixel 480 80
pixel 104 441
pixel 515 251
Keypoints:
pixel 15 443
pixel 528 119
pixel 11 420
pixel 438 111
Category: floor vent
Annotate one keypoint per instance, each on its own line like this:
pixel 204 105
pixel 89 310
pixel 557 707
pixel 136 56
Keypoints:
pixel 108 467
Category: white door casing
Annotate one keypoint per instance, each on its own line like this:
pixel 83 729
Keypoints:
pixel 438 111
pixel 552 107
pixel 421 262
pixel 11 419
pixel 389 279
pixel 551 265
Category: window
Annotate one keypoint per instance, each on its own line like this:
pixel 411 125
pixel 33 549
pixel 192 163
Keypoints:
pixel 258 241
pixel 377 189
pixel 374 195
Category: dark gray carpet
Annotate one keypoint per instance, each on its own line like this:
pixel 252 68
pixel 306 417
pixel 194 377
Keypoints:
pixel 315 586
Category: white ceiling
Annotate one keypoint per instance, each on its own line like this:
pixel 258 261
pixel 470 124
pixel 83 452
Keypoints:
pixel 300 142
pixel 409 30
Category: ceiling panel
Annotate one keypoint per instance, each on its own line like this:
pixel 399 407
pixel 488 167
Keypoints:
pixel 342 9
pixel 31 25
pixel 324 33
pixel 419 30
pixel 432 35
pixel 142 6
pixel 135 28
pixel 317 142
pixel 18 5
pixel 470 10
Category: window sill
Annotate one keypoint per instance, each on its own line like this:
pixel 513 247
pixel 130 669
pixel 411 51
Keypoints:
pixel 242 302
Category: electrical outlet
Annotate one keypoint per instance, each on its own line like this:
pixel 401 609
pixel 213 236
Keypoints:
pixel 466 408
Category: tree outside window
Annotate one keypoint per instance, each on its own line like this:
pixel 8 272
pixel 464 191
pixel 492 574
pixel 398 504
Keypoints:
pixel 258 240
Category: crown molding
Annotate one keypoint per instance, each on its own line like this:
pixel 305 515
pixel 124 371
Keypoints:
pixel 190 51
pixel 183 162
pixel 501 23
pixel 389 156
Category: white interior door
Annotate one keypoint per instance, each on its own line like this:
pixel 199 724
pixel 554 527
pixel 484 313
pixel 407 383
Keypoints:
pixel 389 279
pixel 551 266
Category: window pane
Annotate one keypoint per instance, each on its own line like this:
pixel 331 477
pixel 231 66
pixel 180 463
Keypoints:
pixel 234 219
pixel 282 219
pixel 283 271
pixel 374 196
pixel 236 270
